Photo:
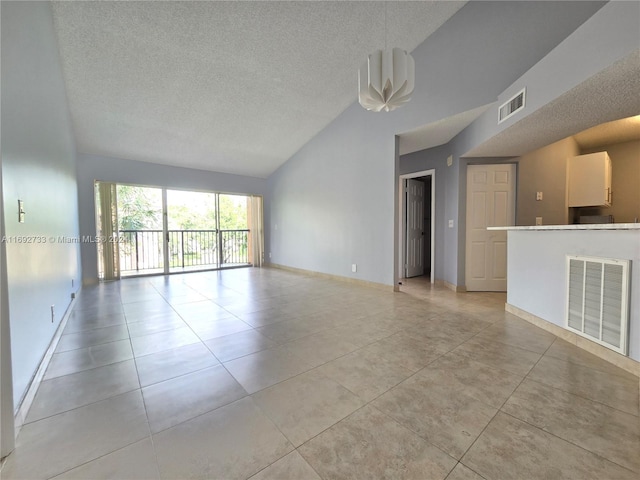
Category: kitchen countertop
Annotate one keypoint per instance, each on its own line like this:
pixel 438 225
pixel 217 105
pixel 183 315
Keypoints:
pixel 604 226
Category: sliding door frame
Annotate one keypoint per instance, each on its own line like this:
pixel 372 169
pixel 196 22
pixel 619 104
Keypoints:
pixel 166 268
pixel 165 232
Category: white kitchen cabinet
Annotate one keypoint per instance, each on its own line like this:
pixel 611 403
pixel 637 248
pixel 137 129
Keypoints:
pixel 590 180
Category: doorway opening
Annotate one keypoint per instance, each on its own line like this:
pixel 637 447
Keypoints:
pixel 416 246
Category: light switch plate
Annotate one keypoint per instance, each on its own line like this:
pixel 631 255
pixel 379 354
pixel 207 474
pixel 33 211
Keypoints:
pixel 20 211
pixel 538 196
pixel 449 160
pixel 450 223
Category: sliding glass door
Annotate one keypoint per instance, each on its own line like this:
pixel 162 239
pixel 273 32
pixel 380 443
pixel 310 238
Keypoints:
pixel 206 230
pixel 167 231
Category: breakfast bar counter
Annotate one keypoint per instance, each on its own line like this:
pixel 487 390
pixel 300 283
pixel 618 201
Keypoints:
pixel 537 275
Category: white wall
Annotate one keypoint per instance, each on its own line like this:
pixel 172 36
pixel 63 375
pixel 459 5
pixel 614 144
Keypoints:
pixel 38 167
pixel 93 167
pixel 537 270
pixel 331 204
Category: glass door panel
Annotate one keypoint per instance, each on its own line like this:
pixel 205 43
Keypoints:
pixel 192 230
pixel 140 229
pixel 234 230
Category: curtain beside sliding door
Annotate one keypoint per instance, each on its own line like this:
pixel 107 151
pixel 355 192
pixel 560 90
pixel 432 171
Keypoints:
pixel 107 230
pixel 256 231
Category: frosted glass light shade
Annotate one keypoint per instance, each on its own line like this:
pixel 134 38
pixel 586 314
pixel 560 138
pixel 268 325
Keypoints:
pixel 386 80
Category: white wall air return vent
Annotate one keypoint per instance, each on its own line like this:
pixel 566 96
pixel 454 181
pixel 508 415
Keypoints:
pixel 511 106
pixel 598 300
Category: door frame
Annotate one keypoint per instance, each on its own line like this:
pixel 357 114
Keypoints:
pixel 164 189
pixel 402 204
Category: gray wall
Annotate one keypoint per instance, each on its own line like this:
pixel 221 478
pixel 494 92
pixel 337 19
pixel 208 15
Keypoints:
pixel 608 36
pixel 93 167
pixel 539 258
pixel 332 203
pixel 436 159
pixel 7 431
pixel 38 167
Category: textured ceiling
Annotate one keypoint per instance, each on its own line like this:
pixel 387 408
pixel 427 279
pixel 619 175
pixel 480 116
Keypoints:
pixel 618 131
pixel 611 94
pixel 235 87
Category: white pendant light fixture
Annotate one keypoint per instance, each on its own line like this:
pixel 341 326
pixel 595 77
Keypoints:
pixel 387 78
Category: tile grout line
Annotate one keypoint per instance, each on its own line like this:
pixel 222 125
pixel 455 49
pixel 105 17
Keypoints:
pixel 583 398
pixel 568 441
pixel 499 409
pixel 392 311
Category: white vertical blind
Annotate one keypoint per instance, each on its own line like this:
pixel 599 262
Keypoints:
pixel 107 231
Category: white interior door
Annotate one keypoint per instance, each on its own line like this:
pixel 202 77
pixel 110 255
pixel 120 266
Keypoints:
pixel 490 203
pixel 414 262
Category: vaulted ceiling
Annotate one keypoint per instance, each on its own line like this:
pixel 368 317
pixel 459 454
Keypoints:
pixel 239 87
pixel 235 87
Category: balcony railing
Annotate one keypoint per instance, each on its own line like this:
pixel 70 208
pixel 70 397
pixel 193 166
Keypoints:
pixel 141 250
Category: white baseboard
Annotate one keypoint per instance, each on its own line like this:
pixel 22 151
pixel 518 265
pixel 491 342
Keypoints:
pixel 451 286
pixel 356 281
pixel 626 363
pixel 27 400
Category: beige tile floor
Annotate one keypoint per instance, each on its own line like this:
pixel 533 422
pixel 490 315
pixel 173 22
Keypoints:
pixel 266 374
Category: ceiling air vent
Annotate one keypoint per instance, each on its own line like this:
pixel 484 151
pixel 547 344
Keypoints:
pixel 511 106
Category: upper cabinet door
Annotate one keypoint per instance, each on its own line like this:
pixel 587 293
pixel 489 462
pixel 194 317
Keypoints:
pixel 590 180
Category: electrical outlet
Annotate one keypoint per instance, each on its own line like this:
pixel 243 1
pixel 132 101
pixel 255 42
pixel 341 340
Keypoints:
pixel 538 196
pixel 538 220
pixel 354 267
pixel 450 223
